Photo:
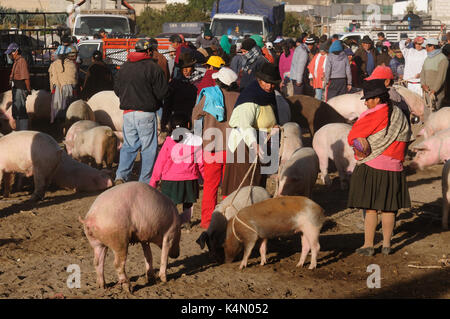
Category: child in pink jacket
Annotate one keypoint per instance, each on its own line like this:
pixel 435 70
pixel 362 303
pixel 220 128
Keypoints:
pixel 179 164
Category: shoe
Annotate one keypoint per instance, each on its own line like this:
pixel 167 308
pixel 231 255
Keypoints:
pixel 118 182
pixel 386 251
pixel 368 251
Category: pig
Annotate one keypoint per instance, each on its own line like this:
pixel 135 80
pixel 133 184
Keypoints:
pixel 350 105
pixel 445 194
pixel 433 150
pixel 298 175
pixel 106 108
pixel 131 213
pixel 77 111
pixel 330 142
pixel 416 103
pixel 291 140
pixel 275 217
pixel 437 121
pixel 214 236
pixel 31 153
pixel 72 174
pixel 98 143
pixel 312 114
pixel 74 130
pixel 38 107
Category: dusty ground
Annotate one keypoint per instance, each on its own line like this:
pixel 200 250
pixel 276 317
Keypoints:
pixel 39 242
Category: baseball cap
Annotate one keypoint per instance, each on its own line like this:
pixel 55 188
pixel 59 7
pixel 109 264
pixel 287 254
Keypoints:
pixel 278 39
pixel 225 75
pixel 381 73
pixel 11 48
pixel 215 61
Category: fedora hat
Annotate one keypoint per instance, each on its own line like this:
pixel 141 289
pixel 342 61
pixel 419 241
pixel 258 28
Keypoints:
pixel 268 73
pixel 373 88
pixel 186 60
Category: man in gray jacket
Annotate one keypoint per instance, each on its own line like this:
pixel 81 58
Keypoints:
pixel 338 76
pixel 298 72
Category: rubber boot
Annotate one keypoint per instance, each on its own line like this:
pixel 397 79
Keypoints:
pixel 22 125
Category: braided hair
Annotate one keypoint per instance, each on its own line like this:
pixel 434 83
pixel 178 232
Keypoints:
pixel 387 100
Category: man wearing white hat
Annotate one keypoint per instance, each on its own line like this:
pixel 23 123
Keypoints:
pixel 434 72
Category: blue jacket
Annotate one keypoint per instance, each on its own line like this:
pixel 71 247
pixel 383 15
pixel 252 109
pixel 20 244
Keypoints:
pixel 214 103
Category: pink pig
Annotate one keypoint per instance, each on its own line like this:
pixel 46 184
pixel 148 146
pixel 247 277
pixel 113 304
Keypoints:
pixel 132 213
pixel 330 142
pixel 437 121
pixel 433 150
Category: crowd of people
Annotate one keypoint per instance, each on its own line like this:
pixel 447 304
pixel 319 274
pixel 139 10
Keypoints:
pixel 236 89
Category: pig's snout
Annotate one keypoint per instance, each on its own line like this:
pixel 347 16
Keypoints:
pixel 413 166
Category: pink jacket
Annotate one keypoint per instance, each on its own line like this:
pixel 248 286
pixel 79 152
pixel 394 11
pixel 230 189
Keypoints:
pixel 284 65
pixel 175 161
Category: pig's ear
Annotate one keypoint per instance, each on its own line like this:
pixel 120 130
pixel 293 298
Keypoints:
pixel 202 240
pixel 421 147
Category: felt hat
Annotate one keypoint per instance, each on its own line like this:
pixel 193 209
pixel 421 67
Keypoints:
pixel 186 60
pixel 268 73
pixel 373 88
pixel 367 39
pixel 226 75
pixel 215 61
pixel 248 44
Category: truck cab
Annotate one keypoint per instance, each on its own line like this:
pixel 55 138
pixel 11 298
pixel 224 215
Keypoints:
pixel 236 25
pixel 86 25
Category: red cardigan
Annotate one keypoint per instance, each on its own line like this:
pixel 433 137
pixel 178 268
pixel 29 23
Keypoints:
pixel 371 122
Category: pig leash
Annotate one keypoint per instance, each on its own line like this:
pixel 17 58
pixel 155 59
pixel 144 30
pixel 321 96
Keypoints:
pixel 234 231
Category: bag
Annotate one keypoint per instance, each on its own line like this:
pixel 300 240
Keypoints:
pixel 361 148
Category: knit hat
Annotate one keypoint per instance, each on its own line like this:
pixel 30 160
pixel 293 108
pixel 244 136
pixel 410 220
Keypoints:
pixel 215 61
pixel 310 40
pixel 226 75
pixel 207 33
pixel 323 47
pixel 248 44
pixel 336 46
pixel 258 39
pixel 381 73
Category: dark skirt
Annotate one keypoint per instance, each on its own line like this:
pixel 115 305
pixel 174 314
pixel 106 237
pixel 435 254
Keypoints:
pixel 235 172
pixel 181 191
pixel 377 189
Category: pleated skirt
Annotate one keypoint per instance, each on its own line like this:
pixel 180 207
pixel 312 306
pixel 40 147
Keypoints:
pixel 377 189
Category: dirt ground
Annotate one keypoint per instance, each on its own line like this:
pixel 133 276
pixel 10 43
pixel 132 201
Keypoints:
pixel 38 243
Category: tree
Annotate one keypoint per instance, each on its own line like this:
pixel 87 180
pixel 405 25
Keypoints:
pixel 294 25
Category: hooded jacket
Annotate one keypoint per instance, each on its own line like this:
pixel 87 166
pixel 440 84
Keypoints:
pixel 338 67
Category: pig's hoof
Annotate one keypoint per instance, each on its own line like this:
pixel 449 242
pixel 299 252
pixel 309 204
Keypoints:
pixel 263 262
pixel 127 287
pixel 242 266
pixel 36 198
pixel 312 267
pixel 163 277
pixel 150 279
pixel 300 264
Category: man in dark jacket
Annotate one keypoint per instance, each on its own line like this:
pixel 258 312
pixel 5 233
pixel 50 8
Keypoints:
pixel 365 58
pixel 141 86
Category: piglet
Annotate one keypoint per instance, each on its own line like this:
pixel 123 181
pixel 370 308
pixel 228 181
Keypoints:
pixel 330 142
pixel 433 150
pixel 132 213
pixel 275 217
pixel 214 236
pixel 445 194
pixel 31 153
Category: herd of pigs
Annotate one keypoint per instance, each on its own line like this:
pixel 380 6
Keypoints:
pixel 137 213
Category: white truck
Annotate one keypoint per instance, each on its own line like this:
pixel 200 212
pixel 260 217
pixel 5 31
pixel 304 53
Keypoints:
pixel 236 26
pixel 85 23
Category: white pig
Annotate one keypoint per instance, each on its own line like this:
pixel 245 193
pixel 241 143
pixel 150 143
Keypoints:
pixel 106 108
pixel 31 153
pixel 299 174
pixel 132 213
pixel 72 174
pixel 349 106
pixel 74 130
pixel 291 139
pixel 98 143
pixel 330 142
pixel 445 194
pixel 77 111
pixel 437 121
pixel 433 150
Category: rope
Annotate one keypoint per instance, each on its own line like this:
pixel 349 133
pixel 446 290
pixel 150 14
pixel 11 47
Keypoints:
pixel 240 220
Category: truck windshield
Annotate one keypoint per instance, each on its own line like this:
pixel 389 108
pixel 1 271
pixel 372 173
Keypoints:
pixel 92 25
pixel 236 27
